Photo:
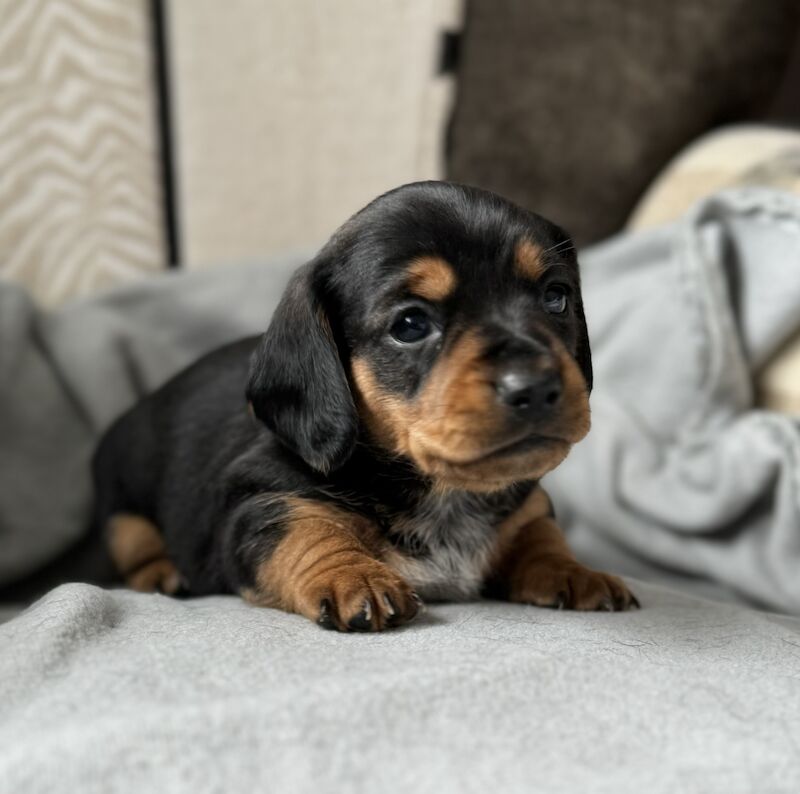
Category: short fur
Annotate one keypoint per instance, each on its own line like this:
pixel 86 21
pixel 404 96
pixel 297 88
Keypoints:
pixel 370 470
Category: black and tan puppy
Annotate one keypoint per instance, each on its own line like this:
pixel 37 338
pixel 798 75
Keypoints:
pixel 417 379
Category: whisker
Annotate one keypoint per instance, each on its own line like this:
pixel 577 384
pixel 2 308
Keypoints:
pixel 566 241
pixel 559 247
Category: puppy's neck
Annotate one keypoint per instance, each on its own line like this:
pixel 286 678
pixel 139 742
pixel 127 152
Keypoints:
pixel 392 486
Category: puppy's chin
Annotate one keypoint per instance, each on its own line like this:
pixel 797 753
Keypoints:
pixel 530 459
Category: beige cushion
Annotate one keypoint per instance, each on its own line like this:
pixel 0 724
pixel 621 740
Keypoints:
pixel 753 154
pixel 742 155
pixel 290 115
pixel 80 184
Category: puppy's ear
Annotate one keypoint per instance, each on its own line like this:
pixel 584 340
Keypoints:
pixel 583 351
pixel 297 384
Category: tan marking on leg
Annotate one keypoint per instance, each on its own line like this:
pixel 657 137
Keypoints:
pixel 157 576
pixel 529 260
pixel 138 552
pixel 327 568
pixel 133 541
pixel 533 564
pixel 431 278
pixel 537 506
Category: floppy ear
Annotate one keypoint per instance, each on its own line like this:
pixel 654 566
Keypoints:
pixel 583 352
pixel 297 384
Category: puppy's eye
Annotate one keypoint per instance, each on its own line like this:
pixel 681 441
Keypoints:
pixel 555 299
pixel 412 325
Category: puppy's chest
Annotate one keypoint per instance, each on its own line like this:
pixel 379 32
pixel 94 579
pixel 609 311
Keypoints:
pixel 443 546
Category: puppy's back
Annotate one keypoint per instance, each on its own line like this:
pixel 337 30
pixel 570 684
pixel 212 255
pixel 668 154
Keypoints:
pixel 147 456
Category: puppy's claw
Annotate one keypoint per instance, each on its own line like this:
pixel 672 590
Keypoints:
pixel 390 610
pixel 325 618
pixel 363 620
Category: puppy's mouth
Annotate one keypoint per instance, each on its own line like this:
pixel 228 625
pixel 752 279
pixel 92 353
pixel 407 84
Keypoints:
pixel 530 443
pixel 527 458
pixel 513 448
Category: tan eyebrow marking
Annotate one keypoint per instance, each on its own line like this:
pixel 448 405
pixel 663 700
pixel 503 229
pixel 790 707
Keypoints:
pixel 529 260
pixel 431 278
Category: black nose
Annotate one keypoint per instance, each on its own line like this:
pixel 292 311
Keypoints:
pixel 529 390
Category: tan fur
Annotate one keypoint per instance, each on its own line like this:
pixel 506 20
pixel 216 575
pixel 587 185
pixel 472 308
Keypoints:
pixel 386 416
pixel 533 564
pixel 536 506
pixel 329 554
pixel 457 388
pixel 575 419
pixel 140 555
pixel 431 278
pixel 158 576
pixel 528 260
pixel 454 426
pixel 458 417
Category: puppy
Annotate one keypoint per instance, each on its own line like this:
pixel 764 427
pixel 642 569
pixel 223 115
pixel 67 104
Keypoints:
pixel 383 441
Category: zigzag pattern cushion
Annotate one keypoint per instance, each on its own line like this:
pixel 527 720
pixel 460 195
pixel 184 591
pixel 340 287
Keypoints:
pixel 79 176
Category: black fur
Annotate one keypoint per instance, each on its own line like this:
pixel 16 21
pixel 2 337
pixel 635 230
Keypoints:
pixel 297 384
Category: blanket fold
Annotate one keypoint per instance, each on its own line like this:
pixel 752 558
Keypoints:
pixel 680 467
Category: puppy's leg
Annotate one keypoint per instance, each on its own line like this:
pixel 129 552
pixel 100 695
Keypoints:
pixel 325 566
pixel 534 565
pixel 139 554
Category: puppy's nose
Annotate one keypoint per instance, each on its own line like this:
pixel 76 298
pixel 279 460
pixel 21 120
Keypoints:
pixel 529 390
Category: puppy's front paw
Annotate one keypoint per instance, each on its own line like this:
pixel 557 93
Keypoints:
pixel 562 583
pixel 363 595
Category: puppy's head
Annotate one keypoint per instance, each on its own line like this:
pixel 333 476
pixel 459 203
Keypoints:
pixel 446 325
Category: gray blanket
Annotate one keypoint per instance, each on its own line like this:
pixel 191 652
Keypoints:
pixel 679 468
pixel 117 692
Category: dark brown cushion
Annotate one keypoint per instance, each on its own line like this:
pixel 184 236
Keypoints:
pixel 571 107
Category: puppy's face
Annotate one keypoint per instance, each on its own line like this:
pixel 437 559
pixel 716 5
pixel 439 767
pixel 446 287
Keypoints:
pixel 457 321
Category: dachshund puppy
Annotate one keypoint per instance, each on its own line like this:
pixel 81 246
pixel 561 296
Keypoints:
pixel 383 441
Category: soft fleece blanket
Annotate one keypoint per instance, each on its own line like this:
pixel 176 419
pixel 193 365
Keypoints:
pixel 117 692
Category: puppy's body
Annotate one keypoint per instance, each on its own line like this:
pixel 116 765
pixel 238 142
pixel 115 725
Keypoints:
pixel 196 431
pixel 418 378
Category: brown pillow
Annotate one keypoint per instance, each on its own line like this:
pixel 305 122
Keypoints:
pixel 570 108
